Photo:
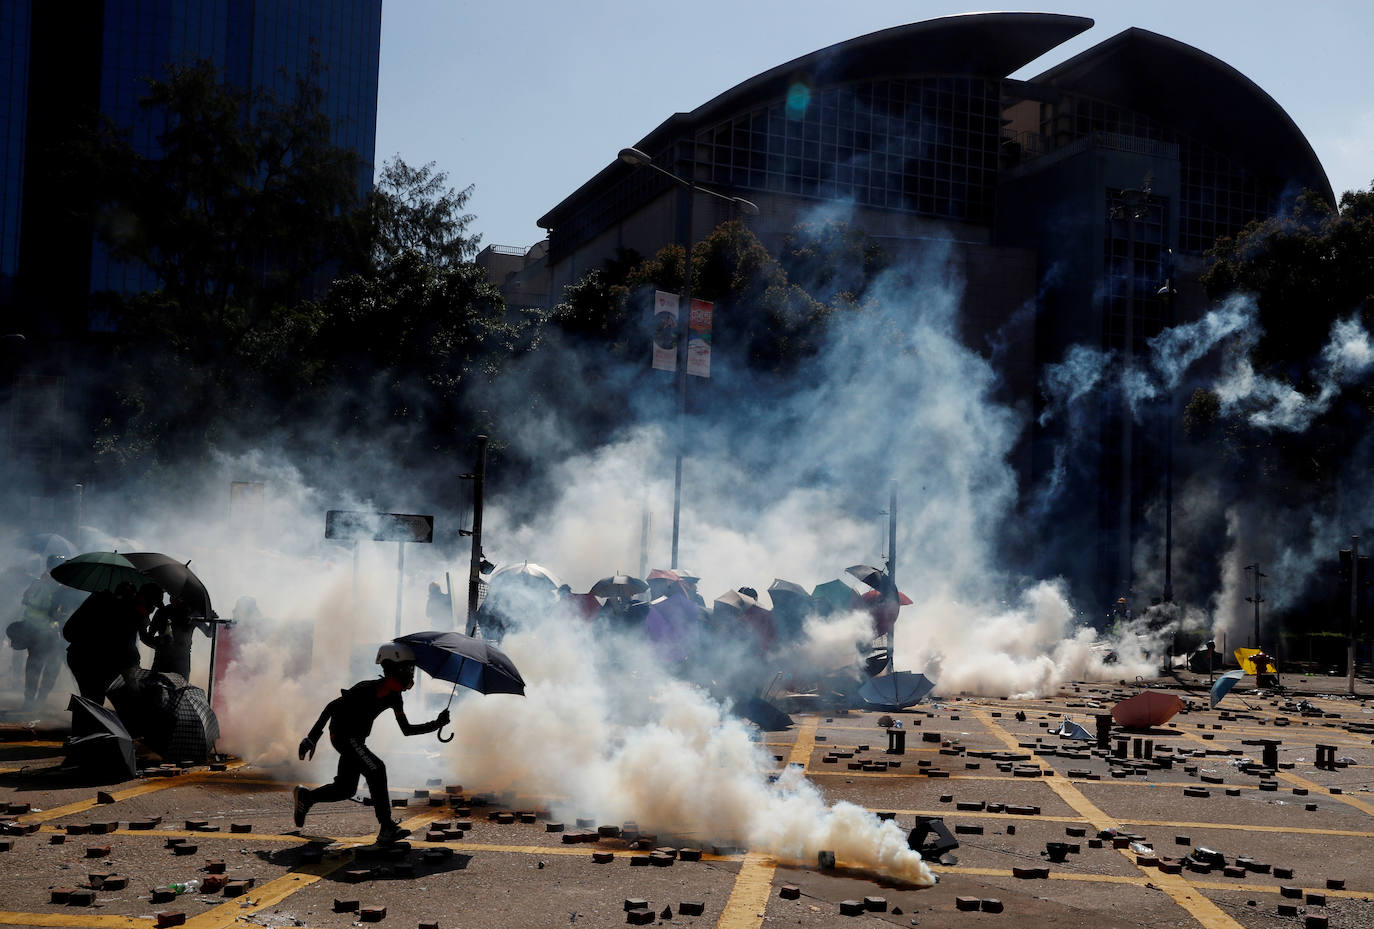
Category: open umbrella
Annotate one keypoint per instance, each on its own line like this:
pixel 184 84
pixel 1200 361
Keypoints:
pixel 896 690
pixel 866 573
pixel 97 571
pixel 461 659
pixel 837 597
pixel 46 544
pixel 527 571
pixel 100 746
pixel 1071 730
pixel 618 585
pixel 195 727
pixel 736 601
pixel 670 625
pixel 175 577
pixel 1224 684
pixel 1254 661
pixel 791 605
pixel 1147 709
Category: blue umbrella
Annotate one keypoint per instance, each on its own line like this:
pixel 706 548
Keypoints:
pixel 474 663
pixel 1224 684
pixel 1071 730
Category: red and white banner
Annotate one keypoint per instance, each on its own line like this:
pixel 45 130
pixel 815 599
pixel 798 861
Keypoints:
pixel 665 334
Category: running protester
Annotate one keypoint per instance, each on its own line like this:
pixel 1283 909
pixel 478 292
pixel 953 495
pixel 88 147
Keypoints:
pixel 350 717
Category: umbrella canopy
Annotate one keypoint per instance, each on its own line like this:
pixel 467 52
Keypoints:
pixel 97 571
pixel 1224 684
pixel 836 597
pixel 1254 661
pixel 670 625
pixel 1147 709
pixel 101 747
pixel 195 728
pixel 791 605
pixel 174 577
pixel 1071 730
pixel 762 714
pixel 866 573
pixel 618 585
pixel 582 606
pixel 145 702
pixel 896 691
pixel 461 659
pixel 45 544
pixel 526 571
pixel 736 601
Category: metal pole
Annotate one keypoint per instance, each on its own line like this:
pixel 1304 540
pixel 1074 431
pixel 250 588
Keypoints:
pixel 1354 611
pixel 892 575
pixel 644 541
pixel 78 496
pixel 475 565
pixel 400 581
pixel 684 314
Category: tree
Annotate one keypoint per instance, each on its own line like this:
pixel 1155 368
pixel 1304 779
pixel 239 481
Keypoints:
pixel 411 209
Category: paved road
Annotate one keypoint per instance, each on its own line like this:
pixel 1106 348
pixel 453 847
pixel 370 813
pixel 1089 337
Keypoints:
pixel 1002 783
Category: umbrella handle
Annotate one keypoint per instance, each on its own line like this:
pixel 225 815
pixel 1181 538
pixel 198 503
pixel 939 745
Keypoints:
pixel 438 733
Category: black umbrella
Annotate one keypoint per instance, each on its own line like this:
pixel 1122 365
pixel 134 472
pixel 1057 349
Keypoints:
pixel 618 585
pixel 473 663
pixel 868 574
pixel 175 577
pixel 100 746
pixel 144 701
pixel 195 728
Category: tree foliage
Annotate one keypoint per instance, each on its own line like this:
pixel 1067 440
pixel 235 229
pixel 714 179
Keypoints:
pixel 412 210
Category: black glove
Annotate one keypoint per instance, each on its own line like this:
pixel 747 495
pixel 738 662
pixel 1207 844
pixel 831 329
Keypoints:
pixel 442 718
pixel 307 749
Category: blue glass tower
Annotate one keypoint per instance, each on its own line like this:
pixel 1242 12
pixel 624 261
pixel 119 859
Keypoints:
pixel 56 59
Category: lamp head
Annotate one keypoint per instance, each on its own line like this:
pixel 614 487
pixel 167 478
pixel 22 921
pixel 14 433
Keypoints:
pixel 633 156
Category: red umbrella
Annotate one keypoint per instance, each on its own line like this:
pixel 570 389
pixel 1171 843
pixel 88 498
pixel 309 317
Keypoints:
pixel 884 611
pixel 1147 709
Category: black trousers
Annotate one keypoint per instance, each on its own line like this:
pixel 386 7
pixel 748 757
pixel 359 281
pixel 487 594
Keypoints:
pixel 356 760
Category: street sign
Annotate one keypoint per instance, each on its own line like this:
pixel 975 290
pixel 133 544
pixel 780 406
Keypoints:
pixel 352 525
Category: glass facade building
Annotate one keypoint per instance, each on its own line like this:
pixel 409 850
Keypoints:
pixel 102 53
pixel 1107 175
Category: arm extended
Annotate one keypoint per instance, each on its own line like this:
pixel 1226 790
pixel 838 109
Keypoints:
pixel 410 728
pixel 307 746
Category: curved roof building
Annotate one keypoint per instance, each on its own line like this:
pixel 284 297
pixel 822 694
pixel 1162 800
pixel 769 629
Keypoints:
pixel 1118 168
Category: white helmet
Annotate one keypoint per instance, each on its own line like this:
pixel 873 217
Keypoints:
pixel 394 651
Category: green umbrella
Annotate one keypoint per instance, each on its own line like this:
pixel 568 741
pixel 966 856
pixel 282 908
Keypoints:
pixel 837 596
pixel 97 571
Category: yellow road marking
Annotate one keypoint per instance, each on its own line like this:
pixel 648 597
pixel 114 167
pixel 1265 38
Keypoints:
pixel 1207 913
pixel 749 897
pixel 74 920
pixel 149 786
pixel 805 745
pixel 268 894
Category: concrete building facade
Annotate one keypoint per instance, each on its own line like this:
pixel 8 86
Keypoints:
pixel 1088 193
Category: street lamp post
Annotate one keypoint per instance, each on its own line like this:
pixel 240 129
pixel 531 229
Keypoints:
pixel 638 159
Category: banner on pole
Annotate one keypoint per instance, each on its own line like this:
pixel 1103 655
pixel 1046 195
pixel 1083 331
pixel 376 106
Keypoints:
pixel 665 339
pixel 664 324
pixel 699 338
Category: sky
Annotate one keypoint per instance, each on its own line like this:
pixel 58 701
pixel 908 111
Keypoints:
pixel 527 101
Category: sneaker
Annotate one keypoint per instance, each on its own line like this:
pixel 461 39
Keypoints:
pixel 302 805
pixel 391 833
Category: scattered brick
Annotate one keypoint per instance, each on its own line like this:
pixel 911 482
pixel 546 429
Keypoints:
pixel 165 920
pixel 1288 909
pixel 786 892
pixel 639 917
pixel 346 906
pixel 60 894
pixel 691 908
pixel 1031 873
pixel 992 905
pixel 162 895
pixel 357 876
pixel 639 861
pixel 1335 883
pixel 1288 890
pixel 553 827
pixel 1315 899
pixel 603 857
pixel 240 828
pixel 851 907
pixel 689 854
pixel 97 851
pixel 1283 873
pixel 184 849
pixel 967 903
pixel 372 914
pixel 1316 921
pixel 661 859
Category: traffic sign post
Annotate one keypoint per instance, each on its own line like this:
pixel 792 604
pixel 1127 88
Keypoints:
pixel 357 525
